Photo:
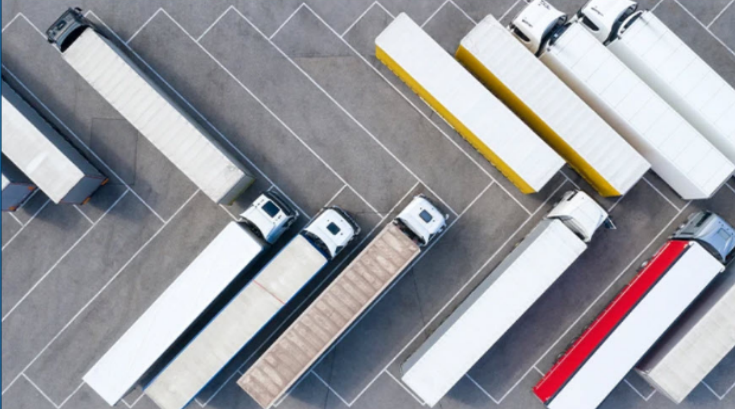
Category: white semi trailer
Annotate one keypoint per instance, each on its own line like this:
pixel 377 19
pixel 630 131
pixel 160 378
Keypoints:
pixel 148 108
pixel 16 186
pixel 677 152
pixel 699 340
pixel 209 274
pixel 43 154
pixel 661 59
pixel 598 153
pixel 340 304
pixel 252 308
pixel 503 297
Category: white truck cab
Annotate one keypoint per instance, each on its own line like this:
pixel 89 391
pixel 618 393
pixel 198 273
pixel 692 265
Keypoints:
pixel 581 214
pixel 605 18
pixel 423 220
pixel 535 25
pixel 269 216
pixel 331 230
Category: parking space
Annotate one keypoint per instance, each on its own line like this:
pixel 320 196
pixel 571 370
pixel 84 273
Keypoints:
pixel 293 90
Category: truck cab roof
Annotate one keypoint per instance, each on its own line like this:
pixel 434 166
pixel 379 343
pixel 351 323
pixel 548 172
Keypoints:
pixel 604 18
pixel 67 28
pixel 580 213
pixel 333 228
pixel 423 218
pixel 269 216
pixel 535 23
pixel 712 232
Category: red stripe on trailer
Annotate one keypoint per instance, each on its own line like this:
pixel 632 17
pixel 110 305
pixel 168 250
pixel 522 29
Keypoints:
pixel 578 353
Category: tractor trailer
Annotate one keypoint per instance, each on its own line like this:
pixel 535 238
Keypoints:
pixel 479 117
pixel 252 308
pixel 639 315
pixel 660 58
pixel 342 302
pixel 16 186
pixel 591 146
pixel 677 152
pixel 503 297
pixel 184 301
pixel 143 103
pixel 43 154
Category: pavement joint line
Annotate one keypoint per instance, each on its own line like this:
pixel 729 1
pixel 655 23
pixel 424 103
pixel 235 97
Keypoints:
pixel 39 390
pixel 452 141
pixel 135 34
pixel 318 287
pixel 14 217
pixel 727 47
pixel 467 282
pixel 63 256
pixel 316 375
pixel 101 290
pixel 637 392
pixel 357 20
pixel 385 9
pixel 72 394
pixel 711 389
pixel 405 388
pixel 345 111
pixel 290 16
pixel 438 9
pixel 186 101
pixel 482 390
pixel 645 179
pixel 724 9
pixel 504 15
pixel 77 138
pixel 25 225
pixel 83 214
pixel 462 11
pixel 11 21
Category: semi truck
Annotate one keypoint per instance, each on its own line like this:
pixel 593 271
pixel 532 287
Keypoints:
pixel 230 253
pixel 598 153
pixel 145 105
pixel 503 297
pixel 16 186
pixel 343 301
pixel 252 308
pixel 43 154
pixel 699 340
pixel 660 58
pixel 677 152
pixel 462 101
pixel 639 315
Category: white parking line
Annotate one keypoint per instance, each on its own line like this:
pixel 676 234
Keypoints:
pixel 11 21
pixel 39 390
pixel 438 9
pixel 431 122
pixel 290 16
pixel 83 214
pixel 63 256
pixel 463 12
pixel 637 392
pixel 354 23
pixel 732 189
pixel 331 199
pixel 14 217
pixel 26 225
pixel 727 47
pixel 135 34
pixel 484 392
pixel 316 375
pixel 81 310
pixel 724 9
pixel 660 193
pixel 72 394
pixel 504 15
pixel 405 388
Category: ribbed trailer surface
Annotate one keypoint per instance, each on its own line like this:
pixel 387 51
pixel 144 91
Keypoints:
pixel 16 186
pixel 683 158
pixel 173 312
pixel 699 340
pixel 598 153
pixel 490 311
pixel 487 124
pixel 157 117
pixel 336 308
pixel 43 155
pixel 619 337
pixel 661 59
pixel 243 317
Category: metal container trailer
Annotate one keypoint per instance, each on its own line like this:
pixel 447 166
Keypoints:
pixel 487 124
pixel 661 59
pixel 252 308
pixel 639 315
pixel 184 301
pixel 16 186
pixel 598 153
pixel 43 154
pixel 503 297
pixel 677 152
pixel 342 302
pixel 699 340
pixel 148 108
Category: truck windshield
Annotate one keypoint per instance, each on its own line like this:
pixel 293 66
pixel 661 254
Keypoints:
pixel 271 209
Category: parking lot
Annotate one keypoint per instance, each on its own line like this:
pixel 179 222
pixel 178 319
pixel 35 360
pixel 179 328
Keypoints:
pixel 293 89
